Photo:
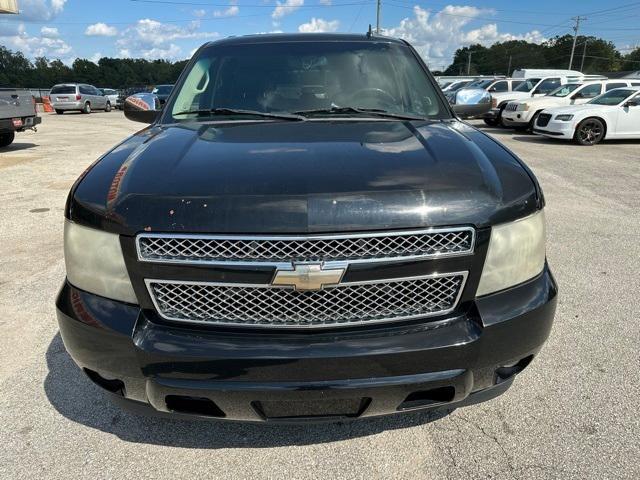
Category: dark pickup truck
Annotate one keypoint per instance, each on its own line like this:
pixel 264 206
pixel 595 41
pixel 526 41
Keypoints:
pixel 17 114
pixel 304 232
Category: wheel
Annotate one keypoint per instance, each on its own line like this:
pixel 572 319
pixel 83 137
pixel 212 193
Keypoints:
pixel 87 108
pixel 500 122
pixel 108 107
pixel 589 132
pixel 490 122
pixel 6 139
pixel 532 122
pixel 59 112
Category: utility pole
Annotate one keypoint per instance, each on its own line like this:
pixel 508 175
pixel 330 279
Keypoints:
pixel 469 63
pixel 509 67
pixel 578 19
pixel 378 18
pixel 584 54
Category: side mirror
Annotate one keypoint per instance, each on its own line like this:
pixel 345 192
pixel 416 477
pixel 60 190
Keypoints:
pixel 142 107
pixel 492 89
pixel 632 103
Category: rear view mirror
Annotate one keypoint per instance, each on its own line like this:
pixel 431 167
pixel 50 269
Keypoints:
pixel 142 107
pixel 632 103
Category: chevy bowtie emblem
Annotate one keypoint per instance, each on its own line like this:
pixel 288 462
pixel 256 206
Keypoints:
pixel 309 276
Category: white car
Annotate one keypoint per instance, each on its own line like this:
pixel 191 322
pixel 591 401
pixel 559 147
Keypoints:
pixel 521 114
pixel 612 115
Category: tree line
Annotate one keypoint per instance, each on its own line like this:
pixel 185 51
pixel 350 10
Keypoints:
pixel 592 55
pixel 18 71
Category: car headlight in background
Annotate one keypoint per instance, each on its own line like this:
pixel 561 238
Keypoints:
pixel 525 107
pixel 95 262
pixel 516 254
pixel 564 118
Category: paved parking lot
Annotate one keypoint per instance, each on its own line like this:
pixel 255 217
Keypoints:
pixel 572 414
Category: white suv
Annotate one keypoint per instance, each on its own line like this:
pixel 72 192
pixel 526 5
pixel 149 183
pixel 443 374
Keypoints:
pixel 522 114
pixel 531 87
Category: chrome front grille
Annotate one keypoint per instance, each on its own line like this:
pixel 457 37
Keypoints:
pixel 177 248
pixel 512 107
pixel 344 304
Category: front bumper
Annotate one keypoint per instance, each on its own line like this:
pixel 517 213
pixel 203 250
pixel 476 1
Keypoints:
pixel 556 129
pixel 472 110
pixel 516 119
pixel 308 376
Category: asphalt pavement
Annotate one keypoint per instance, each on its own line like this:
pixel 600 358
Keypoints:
pixel 574 413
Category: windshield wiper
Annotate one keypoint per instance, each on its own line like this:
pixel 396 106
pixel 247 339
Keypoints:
pixel 378 112
pixel 235 111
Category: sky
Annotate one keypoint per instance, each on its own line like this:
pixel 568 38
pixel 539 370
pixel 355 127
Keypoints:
pixel 173 29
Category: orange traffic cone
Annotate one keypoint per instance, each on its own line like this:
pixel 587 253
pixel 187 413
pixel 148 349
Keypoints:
pixel 46 103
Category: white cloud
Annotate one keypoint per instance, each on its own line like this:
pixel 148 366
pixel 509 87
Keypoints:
pixel 437 36
pixel 325 2
pixel 49 32
pixel 39 10
pixel 232 11
pixel 285 8
pixel 199 13
pixel 152 39
pixel 46 44
pixel 101 30
pixel 317 25
pixel 96 57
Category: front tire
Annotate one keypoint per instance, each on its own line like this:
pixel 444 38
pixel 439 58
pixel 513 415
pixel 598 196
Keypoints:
pixel 490 122
pixel 589 132
pixel 59 112
pixel 108 107
pixel 87 108
pixel 6 139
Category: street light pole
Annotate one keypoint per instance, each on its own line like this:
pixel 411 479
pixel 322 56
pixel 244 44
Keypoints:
pixel 378 18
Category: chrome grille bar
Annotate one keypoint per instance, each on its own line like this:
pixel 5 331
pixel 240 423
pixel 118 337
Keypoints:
pixel 275 250
pixel 342 305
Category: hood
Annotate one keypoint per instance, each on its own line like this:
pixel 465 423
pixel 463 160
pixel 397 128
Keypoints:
pixel 299 177
pixel 502 96
pixel 574 109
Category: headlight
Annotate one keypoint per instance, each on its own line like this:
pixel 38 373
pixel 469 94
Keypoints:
pixel 564 118
pixel 516 254
pixel 525 107
pixel 95 263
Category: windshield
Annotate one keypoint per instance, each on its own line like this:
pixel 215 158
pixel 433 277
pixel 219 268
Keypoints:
pixel 528 85
pixel 480 84
pixel 613 97
pixel 290 77
pixel 565 90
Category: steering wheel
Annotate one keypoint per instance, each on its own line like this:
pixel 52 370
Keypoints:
pixel 376 94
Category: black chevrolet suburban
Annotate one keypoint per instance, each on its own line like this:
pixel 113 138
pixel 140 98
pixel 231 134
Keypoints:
pixel 304 232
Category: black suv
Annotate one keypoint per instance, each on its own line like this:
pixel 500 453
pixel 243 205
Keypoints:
pixel 305 231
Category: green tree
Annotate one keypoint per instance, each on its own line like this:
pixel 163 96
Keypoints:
pixel 631 61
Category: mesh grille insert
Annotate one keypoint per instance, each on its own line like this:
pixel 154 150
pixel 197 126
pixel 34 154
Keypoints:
pixel 386 300
pixel 194 248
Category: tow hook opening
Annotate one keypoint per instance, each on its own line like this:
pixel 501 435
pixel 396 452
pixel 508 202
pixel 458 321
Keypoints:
pixel 424 398
pixel 193 406
pixel 112 385
pixel 505 372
